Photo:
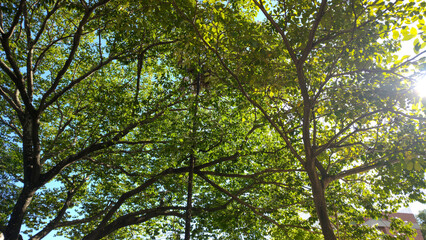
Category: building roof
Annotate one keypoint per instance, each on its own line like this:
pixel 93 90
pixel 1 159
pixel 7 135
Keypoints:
pixel 385 222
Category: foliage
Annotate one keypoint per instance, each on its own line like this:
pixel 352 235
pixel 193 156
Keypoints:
pixel 145 119
pixel 421 218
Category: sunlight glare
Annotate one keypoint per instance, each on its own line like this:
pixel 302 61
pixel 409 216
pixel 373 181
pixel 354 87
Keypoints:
pixel 421 87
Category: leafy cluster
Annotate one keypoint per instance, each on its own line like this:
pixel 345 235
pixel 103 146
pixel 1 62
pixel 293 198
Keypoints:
pixel 209 119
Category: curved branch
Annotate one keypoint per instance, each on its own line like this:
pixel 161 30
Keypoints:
pixel 131 219
pixel 330 142
pixel 4 93
pixel 80 221
pixel 254 103
pixel 312 32
pixel 287 44
pixel 74 47
pixel 361 169
pixel 407 115
pixel 55 222
pixel 140 58
pixel 43 25
pixel 251 176
pixel 252 208
pixel 45 104
pixel 49 175
pixel 15 20
pixel 11 126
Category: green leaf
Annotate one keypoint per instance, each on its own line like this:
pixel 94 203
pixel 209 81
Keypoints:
pixel 408 35
pixel 395 34
pixel 417 166
pixel 410 166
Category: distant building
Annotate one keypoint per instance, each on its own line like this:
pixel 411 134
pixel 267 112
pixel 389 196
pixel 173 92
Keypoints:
pixel 384 224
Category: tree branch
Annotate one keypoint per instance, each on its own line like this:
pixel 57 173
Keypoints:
pixel 131 219
pixel 11 126
pixel 43 25
pixel 361 169
pixel 56 96
pixel 330 142
pixel 15 20
pixel 49 175
pixel 287 44
pixel 74 47
pixel 140 62
pixel 252 208
pixel 312 32
pixel 227 69
pixel 55 222
pixel 4 93
pixel 250 176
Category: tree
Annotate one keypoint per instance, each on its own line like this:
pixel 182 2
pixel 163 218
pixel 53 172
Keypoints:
pixel 104 115
pixel 192 118
pixel 325 76
pixel 61 120
pixel 421 217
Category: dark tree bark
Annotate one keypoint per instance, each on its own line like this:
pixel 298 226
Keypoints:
pixel 320 202
pixel 31 165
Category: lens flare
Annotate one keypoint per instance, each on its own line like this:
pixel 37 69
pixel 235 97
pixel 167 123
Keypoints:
pixel 421 87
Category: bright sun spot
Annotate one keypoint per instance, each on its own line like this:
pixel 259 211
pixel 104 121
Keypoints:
pixel 421 87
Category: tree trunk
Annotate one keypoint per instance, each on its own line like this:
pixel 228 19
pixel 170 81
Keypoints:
pixel 14 225
pixel 320 202
pixel 32 167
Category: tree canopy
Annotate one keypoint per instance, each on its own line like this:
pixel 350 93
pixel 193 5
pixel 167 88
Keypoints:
pixel 422 221
pixel 209 119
